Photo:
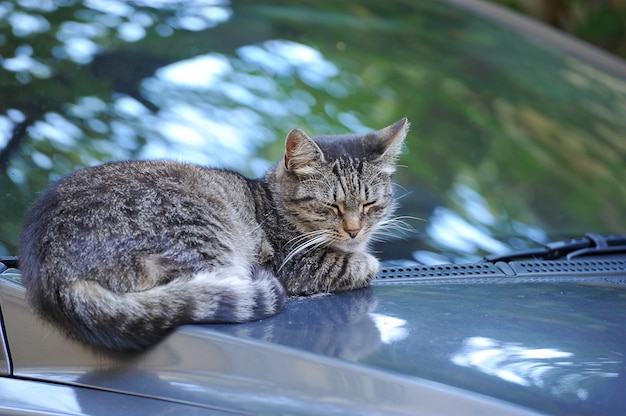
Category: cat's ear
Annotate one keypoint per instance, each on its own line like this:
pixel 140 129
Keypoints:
pixel 387 144
pixel 301 153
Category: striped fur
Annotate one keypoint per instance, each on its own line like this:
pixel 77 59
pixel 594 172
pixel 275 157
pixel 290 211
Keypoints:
pixel 120 254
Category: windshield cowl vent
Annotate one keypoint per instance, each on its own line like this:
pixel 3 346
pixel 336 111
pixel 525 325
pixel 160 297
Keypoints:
pixel 443 270
pixel 612 270
pixel 569 267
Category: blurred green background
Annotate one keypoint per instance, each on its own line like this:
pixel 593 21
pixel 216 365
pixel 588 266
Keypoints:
pixel 513 142
pixel 599 22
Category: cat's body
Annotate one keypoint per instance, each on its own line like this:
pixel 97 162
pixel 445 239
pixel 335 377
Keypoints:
pixel 119 254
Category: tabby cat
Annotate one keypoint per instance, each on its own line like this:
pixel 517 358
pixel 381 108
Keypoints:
pixel 119 254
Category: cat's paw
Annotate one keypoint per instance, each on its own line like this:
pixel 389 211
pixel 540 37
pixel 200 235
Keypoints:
pixel 361 270
pixel 369 265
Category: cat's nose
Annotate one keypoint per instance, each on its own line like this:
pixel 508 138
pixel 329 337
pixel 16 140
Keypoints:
pixel 351 224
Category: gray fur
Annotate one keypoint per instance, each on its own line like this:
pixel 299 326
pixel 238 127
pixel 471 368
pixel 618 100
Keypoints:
pixel 119 254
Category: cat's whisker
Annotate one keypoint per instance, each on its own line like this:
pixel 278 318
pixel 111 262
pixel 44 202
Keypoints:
pixel 404 195
pixel 305 237
pixel 395 224
pixel 409 217
pixel 320 238
pixel 310 245
pixel 382 237
pixel 393 228
pixel 387 234
pixel 400 221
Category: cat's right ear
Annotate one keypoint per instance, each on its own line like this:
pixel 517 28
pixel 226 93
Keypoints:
pixel 301 153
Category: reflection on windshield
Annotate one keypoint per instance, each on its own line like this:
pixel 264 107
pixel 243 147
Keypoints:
pixel 470 228
pixel 549 369
pixel 193 124
pixel 500 155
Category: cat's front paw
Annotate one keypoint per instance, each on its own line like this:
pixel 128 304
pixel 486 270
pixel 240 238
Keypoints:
pixel 369 267
pixel 361 270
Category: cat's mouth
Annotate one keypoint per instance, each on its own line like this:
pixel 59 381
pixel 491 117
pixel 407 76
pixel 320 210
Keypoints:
pixel 352 245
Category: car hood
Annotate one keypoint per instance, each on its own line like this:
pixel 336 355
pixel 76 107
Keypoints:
pixel 442 346
pixel 554 346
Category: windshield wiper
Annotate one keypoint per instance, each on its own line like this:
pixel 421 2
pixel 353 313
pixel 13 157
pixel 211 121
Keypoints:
pixel 8 262
pixel 590 245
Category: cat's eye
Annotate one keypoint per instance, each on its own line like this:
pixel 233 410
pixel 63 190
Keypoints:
pixel 335 208
pixel 367 206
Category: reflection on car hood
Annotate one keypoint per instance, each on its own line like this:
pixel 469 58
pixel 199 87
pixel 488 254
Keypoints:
pixel 544 345
pixel 547 346
pixel 206 367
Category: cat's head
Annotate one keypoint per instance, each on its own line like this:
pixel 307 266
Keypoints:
pixel 338 188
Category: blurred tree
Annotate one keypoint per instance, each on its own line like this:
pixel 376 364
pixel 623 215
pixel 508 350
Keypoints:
pixel 508 138
pixel 600 22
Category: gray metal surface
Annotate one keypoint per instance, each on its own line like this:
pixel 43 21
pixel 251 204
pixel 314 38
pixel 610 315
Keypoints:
pixel 24 397
pixel 203 365
pixel 610 270
pixel 5 368
pixel 391 349
pixel 555 346
pixel 5 363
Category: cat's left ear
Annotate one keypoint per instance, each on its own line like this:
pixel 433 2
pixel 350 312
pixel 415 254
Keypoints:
pixel 301 153
pixel 387 143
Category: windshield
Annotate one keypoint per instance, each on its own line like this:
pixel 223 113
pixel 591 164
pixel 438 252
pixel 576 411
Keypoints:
pixel 512 143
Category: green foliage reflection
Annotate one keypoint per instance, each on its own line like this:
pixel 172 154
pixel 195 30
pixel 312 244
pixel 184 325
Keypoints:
pixel 511 142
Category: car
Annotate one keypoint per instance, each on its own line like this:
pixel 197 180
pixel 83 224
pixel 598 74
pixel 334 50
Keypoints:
pixel 502 292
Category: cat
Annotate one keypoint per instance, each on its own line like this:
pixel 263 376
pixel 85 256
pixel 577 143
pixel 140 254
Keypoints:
pixel 119 254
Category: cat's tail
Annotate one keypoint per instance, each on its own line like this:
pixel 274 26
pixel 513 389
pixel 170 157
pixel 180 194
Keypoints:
pixel 134 321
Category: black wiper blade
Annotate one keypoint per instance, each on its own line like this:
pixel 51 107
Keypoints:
pixel 10 262
pixel 591 244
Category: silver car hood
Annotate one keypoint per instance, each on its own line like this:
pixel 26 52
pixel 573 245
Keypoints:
pixel 446 347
